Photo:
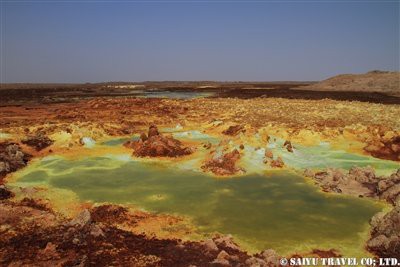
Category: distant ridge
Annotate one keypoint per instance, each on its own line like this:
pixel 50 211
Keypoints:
pixel 374 81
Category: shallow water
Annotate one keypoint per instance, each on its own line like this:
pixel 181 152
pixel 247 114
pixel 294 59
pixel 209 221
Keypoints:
pixel 277 210
pixel 171 94
pixel 323 156
pixel 119 141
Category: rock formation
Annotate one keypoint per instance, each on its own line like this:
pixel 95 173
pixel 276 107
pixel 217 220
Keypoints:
pixel 359 181
pixel 225 164
pixel 268 154
pixel 5 193
pixel 12 158
pixel 385 149
pixel 234 130
pixel 288 146
pixel 38 141
pixel 277 163
pixel 154 144
pixel 385 234
pixel 274 163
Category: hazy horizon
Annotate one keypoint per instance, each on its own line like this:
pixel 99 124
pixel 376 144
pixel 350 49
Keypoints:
pixel 79 42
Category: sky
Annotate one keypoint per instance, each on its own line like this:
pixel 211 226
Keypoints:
pixel 97 41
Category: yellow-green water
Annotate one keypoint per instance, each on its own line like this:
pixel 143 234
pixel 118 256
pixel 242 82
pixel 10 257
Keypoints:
pixel 278 210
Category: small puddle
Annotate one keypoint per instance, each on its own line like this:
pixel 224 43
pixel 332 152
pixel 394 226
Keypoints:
pixel 278 210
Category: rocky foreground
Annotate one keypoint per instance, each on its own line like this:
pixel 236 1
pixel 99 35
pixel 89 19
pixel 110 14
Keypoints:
pixel 32 234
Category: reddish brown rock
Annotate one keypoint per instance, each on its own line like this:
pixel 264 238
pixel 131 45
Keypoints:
pixel 210 245
pixel 12 158
pixel 359 181
pixel 157 145
pixel 224 164
pixel 207 145
pixel 385 149
pixel 277 163
pixel 268 154
pixel 222 259
pixel 270 257
pixel 226 242
pixel 49 252
pixel 35 203
pixel 385 234
pixel 234 130
pixel 82 219
pixel 153 131
pixel 38 141
pixel 5 193
pixel 288 146
pixel 143 137
pixel 109 214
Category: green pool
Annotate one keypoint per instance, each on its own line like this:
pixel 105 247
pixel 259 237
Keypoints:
pixel 278 210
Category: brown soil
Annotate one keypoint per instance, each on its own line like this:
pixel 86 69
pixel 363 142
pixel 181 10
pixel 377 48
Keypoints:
pixel 374 81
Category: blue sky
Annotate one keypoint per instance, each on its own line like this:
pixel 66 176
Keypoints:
pixel 93 41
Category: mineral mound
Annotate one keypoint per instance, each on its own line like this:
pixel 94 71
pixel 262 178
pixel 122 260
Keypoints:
pixel 224 164
pixel 12 158
pixel 154 144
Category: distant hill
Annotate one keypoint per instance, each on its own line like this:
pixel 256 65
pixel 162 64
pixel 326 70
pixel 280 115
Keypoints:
pixel 373 81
